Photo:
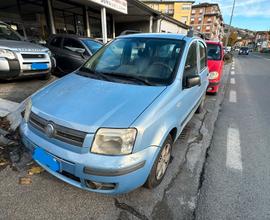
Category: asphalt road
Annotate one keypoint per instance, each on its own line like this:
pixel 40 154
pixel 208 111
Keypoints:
pixel 18 90
pixel 236 182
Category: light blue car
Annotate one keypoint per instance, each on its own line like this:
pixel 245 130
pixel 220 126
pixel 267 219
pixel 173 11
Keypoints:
pixel 109 127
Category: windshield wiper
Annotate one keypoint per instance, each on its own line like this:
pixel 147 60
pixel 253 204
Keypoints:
pixel 129 77
pixel 98 74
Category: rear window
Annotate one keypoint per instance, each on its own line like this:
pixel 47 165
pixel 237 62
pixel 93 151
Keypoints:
pixel 213 52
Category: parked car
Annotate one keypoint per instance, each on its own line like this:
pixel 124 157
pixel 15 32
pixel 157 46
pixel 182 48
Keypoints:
pixel 243 51
pixel 71 51
pixel 20 58
pixel 109 127
pixel 215 54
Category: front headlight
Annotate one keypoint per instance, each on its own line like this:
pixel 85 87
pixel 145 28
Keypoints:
pixel 28 106
pixel 113 141
pixel 213 75
pixel 7 54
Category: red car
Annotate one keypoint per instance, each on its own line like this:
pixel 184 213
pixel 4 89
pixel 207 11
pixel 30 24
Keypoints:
pixel 215 63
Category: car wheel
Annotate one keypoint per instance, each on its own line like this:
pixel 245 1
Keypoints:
pixel 161 164
pixel 46 76
pixel 201 106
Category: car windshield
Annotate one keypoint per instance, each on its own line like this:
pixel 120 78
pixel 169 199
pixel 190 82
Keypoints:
pixel 213 52
pixel 92 45
pixel 244 48
pixel 150 61
pixel 7 33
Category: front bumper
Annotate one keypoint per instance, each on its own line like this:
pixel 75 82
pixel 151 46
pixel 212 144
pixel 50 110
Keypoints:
pixel 9 68
pixel 89 171
pixel 19 67
pixel 213 86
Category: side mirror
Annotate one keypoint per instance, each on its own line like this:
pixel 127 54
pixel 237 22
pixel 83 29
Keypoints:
pixel 192 81
pixel 80 50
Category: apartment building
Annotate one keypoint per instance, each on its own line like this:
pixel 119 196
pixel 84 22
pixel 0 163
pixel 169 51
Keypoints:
pixel 179 10
pixel 262 40
pixel 206 18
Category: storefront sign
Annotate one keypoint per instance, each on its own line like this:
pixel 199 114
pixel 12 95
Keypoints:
pixel 117 5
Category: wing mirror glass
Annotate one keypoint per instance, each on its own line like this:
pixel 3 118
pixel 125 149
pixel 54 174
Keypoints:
pixel 192 81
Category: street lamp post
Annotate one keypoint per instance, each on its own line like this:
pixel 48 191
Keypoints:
pixel 229 30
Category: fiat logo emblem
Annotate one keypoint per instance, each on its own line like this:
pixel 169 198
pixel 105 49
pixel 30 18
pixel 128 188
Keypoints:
pixel 49 130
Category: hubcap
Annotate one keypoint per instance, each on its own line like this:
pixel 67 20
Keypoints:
pixel 163 161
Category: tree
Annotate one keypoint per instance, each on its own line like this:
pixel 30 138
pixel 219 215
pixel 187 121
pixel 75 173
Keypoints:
pixel 232 38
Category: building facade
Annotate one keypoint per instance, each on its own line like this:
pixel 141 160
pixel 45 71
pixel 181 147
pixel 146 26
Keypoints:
pixel 206 18
pixel 37 19
pixel 262 40
pixel 179 10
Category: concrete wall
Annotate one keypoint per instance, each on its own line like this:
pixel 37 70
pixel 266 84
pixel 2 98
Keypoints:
pixel 142 26
pixel 169 27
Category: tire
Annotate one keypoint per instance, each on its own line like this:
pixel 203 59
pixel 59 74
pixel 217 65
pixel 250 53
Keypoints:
pixel 155 177
pixel 46 76
pixel 201 106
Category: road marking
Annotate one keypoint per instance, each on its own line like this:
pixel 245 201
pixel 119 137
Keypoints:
pixel 232 97
pixel 232 81
pixel 233 159
pixel 232 72
pixel 232 67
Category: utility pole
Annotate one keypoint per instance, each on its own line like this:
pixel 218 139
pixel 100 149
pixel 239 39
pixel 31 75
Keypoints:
pixel 229 30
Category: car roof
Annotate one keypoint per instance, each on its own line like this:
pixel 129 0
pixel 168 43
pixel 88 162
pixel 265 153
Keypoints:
pixel 74 36
pixel 213 42
pixel 159 35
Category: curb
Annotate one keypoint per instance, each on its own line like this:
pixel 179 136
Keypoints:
pixel 10 112
pixel 6 107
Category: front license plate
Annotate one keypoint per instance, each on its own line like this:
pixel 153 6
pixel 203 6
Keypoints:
pixel 39 66
pixel 46 159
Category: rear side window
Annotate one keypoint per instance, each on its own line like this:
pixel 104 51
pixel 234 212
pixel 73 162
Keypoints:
pixel 202 56
pixel 56 42
pixel 72 44
pixel 191 67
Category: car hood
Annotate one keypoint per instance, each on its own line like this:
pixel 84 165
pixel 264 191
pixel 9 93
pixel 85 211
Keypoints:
pixel 214 65
pixel 21 46
pixel 87 104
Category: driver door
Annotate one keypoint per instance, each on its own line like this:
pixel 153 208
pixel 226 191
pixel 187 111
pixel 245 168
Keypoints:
pixel 190 96
pixel 71 59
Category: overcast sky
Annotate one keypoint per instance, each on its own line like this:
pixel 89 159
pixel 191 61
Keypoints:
pixel 250 14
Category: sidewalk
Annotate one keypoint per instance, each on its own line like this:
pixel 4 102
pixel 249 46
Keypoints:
pixel 265 55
